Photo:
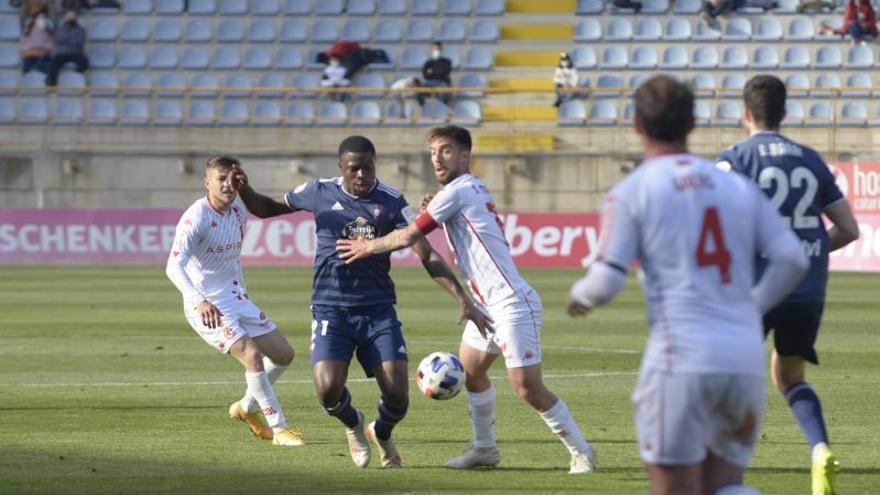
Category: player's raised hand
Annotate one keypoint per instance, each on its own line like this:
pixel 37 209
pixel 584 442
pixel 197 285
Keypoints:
pixel 211 316
pixel 238 179
pixel 577 309
pixel 423 204
pixel 351 250
pixel 482 321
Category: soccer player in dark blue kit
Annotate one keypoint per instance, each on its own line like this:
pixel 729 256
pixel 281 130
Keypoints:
pixel 353 305
pixel 800 185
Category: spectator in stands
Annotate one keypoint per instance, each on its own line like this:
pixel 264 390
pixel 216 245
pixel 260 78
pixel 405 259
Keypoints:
pixel 628 4
pixel 400 87
pixel 714 8
pixel 436 72
pixel 565 78
pixel 30 8
pixel 70 40
pixel 335 77
pixel 859 22
pixel 815 6
pixel 35 44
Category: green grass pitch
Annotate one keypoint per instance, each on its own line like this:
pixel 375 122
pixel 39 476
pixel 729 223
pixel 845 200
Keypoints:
pixel 105 389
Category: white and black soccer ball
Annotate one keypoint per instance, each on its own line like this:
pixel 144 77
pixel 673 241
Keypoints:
pixel 440 376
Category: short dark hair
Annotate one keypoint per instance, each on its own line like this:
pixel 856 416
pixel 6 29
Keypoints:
pixel 459 135
pixel 438 44
pixel 764 97
pixel 222 161
pixel 665 108
pixel 356 144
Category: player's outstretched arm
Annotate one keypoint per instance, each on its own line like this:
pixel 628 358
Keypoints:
pixel 258 204
pixel 352 250
pixel 845 229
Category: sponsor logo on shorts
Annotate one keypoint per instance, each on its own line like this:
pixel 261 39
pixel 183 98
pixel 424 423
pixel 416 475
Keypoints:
pixel 228 333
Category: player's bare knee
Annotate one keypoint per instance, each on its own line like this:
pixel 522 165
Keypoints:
pixel 476 383
pixel 283 357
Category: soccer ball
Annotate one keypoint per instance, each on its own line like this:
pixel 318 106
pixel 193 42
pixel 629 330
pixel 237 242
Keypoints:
pixel 440 376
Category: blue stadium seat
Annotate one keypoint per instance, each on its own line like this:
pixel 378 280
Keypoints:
pixel 356 30
pixel 392 7
pixel 226 57
pixel 71 83
pixel 330 7
pixel 734 57
pixel 484 31
pixel 300 113
pixel 433 113
pixel 451 30
pixel 589 7
pixel 373 83
pixel 687 7
pixel 271 85
pixel 820 115
pixel 238 86
pixel 451 53
pixel 571 113
pixel 794 113
pixel 324 31
pixel 727 114
pixel 797 85
pixel 765 57
pixel 332 114
pixel 704 84
pixel 361 7
pixel 473 85
pixel 165 30
pixel 169 7
pixel 643 57
pixel 420 30
pixel 8 83
pixel 194 58
pixel 702 113
pixel 588 30
pixel 399 114
pixel 583 57
pixel 618 29
pixel 9 55
pixel 230 31
pixel 388 31
pixel 608 86
pixel 858 85
pixel 828 57
pixel 457 7
pixel 162 57
pixel 257 58
pixel 737 29
pixel 204 85
pixel 634 82
pixel 312 59
pixel 265 7
pixel 479 58
pixel 202 7
pixel 466 112
pixel 654 6
pixel 629 111
pixel 293 31
pixel 267 113
pixel 677 29
pixel 68 111
pixel 33 111
pixel 768 29
pixel 102 29
pixel 137 7
pixel 168 113
pixel 860 57
pixel 732 85
pixel 7 110
pixel 674 57
pixel 834 24
pixel 366 113
pixel 413 57
pixel 33 82
pixel 102 111
pixel 786 6
pixel 648 29
pixel 826 85
pixel 136 29
pixel 492 7
pixel 198 31
pixel 261 31
pixel 306 85
pixel 424 7
pixel 234 113
pixel 131 57
pixel 796 57
pixel 603 113
pixel 703 32
pixel 135 112
pixel 800 29
pixel 171 85
pixel 297 7
pixel 614 57
pixel 233 7
pixel 136 84
pixel 201 113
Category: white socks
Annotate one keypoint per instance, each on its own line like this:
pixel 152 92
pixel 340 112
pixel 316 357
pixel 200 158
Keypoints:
pixel 273 371
pixel 260 388
pixel 563 426
pixel 481 407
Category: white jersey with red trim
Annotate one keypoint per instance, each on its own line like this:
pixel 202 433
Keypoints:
pixel 475 235
pixel 696 232
pixel 204 261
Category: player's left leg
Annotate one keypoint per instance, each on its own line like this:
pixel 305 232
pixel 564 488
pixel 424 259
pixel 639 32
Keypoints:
pixel 277 356
pixel 674 480
pixel 393 381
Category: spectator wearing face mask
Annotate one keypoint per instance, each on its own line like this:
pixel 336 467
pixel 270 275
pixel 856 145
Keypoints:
pixel 436 71
pixel 35 44
pixel 334 77
pixel 565 78
pixel 70 39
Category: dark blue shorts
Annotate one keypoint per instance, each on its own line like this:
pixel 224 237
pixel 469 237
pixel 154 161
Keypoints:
pixel 373 331
pixel 795 326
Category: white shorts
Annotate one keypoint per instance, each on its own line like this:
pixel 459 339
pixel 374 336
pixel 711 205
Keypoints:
pixel 240 318
pixel 517 334
pixel 681 416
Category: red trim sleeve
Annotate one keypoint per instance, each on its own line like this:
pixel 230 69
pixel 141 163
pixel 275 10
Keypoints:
pixel 425 222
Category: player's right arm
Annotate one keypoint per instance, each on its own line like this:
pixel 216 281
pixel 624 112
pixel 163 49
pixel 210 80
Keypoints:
pixel 258 204
pixel 187 237
pixel 845 228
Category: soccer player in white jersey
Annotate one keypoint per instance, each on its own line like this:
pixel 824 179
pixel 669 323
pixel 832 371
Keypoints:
pixel 475 235
pixel 696 231
pixel 205 267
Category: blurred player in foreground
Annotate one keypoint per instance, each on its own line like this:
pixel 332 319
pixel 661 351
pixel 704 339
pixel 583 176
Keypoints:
pixel 205 267
pixel 474 232
pixel 802 188
pixel 695 230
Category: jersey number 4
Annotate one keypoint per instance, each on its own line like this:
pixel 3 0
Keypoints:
pixel 711 236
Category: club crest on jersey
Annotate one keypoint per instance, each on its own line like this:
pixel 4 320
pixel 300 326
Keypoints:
pixel 359 228
pixel 377 210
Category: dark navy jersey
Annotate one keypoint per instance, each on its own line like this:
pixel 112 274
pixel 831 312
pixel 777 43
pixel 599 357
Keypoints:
pixel 339 215
pixel 800 186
